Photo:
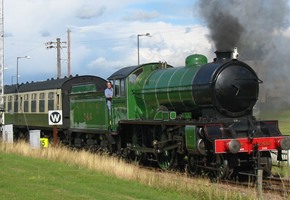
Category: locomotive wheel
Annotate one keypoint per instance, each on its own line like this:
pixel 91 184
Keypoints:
pixel 193 162
pixel 222 168
pixel 135 154
pixel 165 158
pixel 266 162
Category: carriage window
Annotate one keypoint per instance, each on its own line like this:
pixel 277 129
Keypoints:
pixel 41 102
pixel 16 103
pixel 50 101
pixel 26 103
pixel 4 103
pixel 33 102
pixel 9 103
pixel 57 101
pixel 21 103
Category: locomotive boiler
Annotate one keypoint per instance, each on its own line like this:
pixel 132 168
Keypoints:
pixel 222 88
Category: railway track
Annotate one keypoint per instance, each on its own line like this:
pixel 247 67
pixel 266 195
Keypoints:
pixel 276 185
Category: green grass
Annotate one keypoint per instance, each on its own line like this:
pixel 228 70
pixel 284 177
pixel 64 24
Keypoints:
pixel 281 170
pixel 30 178
pixel 61 173
pixel 283 116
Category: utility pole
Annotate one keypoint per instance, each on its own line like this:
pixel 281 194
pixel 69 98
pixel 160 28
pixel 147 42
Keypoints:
pixel 1 64
pixel 68 52
pixel 57 45
pixel 139 35
pixel 58 57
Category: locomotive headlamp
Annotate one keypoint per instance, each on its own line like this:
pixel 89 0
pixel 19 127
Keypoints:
pixel 284 143
pixel 233 146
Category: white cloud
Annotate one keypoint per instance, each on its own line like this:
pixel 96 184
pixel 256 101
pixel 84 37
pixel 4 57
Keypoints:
pixel 98 61
pixel 101 41
pixel 87 12
pixel 45 33
pixel 141 15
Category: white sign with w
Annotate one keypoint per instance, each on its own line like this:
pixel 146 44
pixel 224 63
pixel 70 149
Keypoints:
pixel 55 117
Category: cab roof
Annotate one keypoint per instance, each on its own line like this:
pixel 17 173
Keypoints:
pixel 124 72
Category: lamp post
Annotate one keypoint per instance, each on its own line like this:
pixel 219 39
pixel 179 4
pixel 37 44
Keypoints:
pixel 139 35
pixel 27 57
pixel 12 77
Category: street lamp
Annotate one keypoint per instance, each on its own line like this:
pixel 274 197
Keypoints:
pixel 139 35
pixel 27 57
pixel 12 77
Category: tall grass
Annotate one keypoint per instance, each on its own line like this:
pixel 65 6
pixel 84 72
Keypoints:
pixel 283 116
pixel 113 166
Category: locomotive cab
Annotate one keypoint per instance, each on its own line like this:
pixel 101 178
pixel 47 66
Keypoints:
pixel 119 101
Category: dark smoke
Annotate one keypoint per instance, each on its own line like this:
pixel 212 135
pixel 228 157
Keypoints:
pixel 250 25
pixel 225 29
pixel 258 28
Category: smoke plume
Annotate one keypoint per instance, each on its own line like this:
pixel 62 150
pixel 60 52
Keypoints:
pixel 259 29
pixel 225 29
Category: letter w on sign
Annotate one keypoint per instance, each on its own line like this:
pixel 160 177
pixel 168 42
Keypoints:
pixel 55 117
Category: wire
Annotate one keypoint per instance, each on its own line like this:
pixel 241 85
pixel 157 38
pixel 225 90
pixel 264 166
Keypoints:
pixel 21 110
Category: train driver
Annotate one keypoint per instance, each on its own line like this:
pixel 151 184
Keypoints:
pixel 109 95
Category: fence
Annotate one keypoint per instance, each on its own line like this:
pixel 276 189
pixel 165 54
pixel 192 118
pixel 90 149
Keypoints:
pixel 285 156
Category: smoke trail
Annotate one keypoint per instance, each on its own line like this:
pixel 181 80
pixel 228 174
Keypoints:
pixel 258 28
pixel 225 29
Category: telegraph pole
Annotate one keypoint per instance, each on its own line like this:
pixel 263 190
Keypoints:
pixel 1 63
pixel 68 52
pixel 57 45
pixel 58 57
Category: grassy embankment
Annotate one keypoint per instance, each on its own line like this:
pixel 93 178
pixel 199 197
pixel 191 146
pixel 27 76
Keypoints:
pixel 283 117
pixel 59 173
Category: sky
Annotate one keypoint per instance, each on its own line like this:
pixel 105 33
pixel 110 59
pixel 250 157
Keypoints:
pixel 103 35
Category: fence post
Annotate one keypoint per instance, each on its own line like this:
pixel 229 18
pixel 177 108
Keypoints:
pixel 259 184
pixel 288 156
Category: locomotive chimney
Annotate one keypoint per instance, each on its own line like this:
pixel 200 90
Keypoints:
pixel 223 55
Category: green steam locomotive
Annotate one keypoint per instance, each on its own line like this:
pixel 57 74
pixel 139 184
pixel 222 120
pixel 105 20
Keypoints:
pixel 199 116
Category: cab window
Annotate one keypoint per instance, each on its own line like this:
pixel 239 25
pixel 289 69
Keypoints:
pixel 122 92
pixel 133 77
pixel 119 87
